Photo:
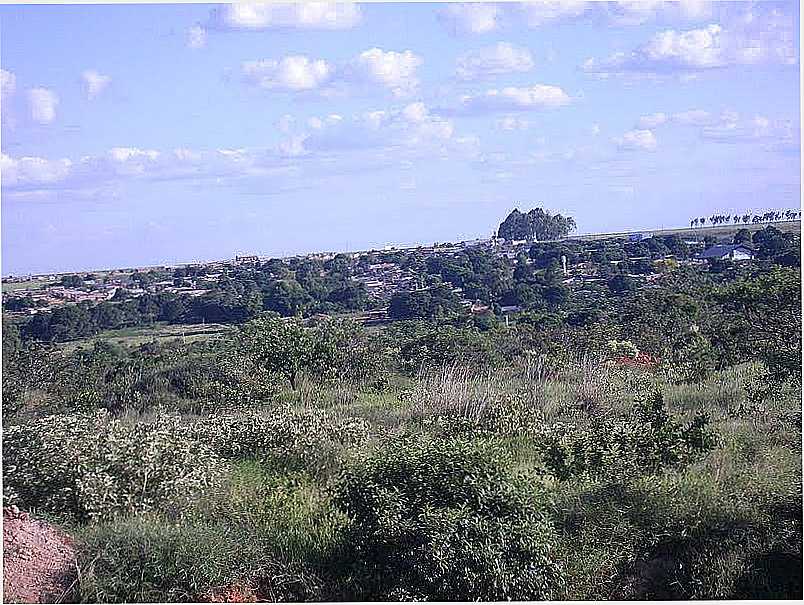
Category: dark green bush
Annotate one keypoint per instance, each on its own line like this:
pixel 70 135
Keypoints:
pixel 645 441
pixel 443 520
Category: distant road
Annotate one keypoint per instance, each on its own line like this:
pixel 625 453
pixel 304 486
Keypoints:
pixel 790 226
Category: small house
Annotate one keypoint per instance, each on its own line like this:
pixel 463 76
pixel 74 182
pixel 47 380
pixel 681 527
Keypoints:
pixel 727 252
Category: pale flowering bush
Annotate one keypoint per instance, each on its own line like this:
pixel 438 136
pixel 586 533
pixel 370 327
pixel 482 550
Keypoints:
pixel 281 434
pixel 92 466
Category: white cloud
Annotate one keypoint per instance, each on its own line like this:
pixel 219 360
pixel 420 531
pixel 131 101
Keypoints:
pixel 286 15
pixel 293 73
pixel 32 171
pixel 94 83
pixel 537 97
pixel 502 58
pixel 317 123
pixel 128 163
pixel 410 129
pixel 322 142
pixel 639 12
pixel 471 18
pixel 652 121
pixel 637 140
pixel 728 127
pixel 538 13
pixel 512 123
pixel 388 70
pixel 393 70
pixel 42 103
pixel 595 129
pixel 761 39
pixel 196 37
pixel 694 117
pixel 759 129
pixel 8 84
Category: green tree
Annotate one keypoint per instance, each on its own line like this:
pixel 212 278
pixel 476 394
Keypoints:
pixel 286 348
pixel 536 224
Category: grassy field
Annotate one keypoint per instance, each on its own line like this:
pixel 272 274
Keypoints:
pixel 134 337
pixel 26 285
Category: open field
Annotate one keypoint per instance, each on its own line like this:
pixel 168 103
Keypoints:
pixel 27 285
pixel 160 332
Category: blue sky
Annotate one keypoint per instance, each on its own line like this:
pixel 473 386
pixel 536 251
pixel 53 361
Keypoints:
pixel 141 134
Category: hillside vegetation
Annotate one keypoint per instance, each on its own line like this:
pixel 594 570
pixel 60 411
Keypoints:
pixel 631 430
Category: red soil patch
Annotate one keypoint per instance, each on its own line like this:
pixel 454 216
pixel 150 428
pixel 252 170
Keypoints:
pixel 231 594
pixel 38 560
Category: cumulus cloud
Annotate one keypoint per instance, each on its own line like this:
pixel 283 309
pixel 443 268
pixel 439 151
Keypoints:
pixel 481 18
pixel 42 103
pixel 196 37
pixel 753 40
pixel 470 18
pixel 637 140
pixel 729 127
pixel 411 129
pixel 533 98
pixel 538 13
pixel 639 12
pixel 260 16
pixel 323 141
pixel 502 58
pixel 94 83
pixel 396 71
pixel 373 68
pixel 32 171
pixel 293 73
pixel 127 163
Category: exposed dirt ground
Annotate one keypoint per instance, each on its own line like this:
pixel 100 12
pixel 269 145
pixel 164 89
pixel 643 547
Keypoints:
pixel 38 560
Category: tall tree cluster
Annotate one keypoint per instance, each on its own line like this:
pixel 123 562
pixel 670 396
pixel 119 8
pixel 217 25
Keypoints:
pixel 536 224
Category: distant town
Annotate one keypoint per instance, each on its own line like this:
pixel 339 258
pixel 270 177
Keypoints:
pixel 382 273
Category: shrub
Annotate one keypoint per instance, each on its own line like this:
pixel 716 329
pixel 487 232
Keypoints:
pixel 442 519
pixel 148 560
pixel 92 466
pixel 448 345
pixel 281 435
pixel 646 441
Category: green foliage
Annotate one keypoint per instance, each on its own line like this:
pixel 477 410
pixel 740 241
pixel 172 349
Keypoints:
pixel 762 318
pixel 286 347
pixel 433 303
pixel 95 467
pixel 443 520
pixel 646 441
pixel 148 560
pixel 283 436
pixel 535 225
pixel 447 345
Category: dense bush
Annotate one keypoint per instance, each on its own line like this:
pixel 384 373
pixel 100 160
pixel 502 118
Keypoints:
pixel 647 440
pixel 447 345
pixel 280 435
pixel 443 520
pixel 95 467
